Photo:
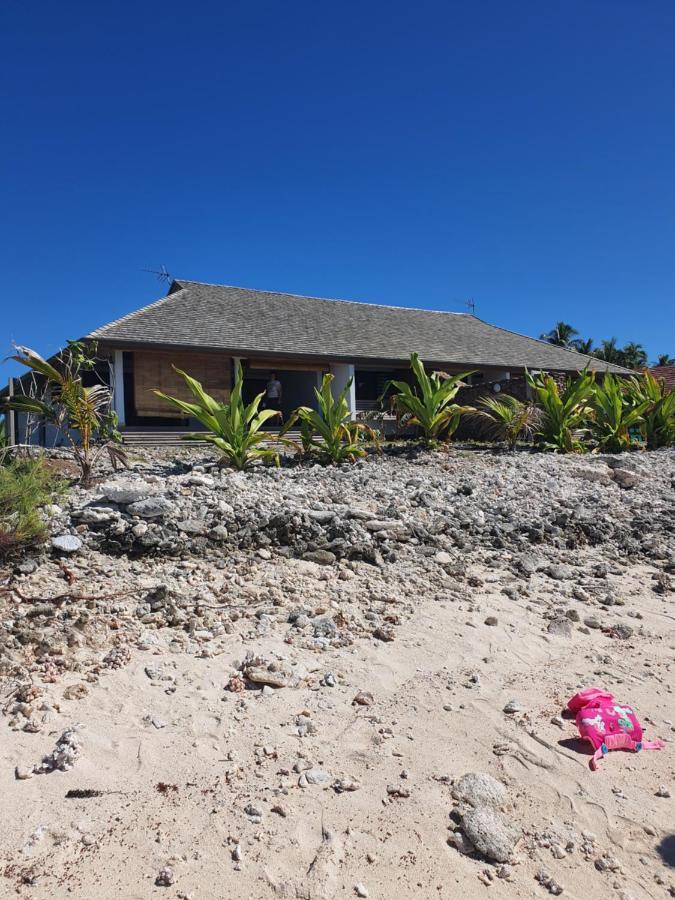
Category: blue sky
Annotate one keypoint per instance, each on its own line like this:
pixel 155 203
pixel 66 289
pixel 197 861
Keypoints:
pixel 520 154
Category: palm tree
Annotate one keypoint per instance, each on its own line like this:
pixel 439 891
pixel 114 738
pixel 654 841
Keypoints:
pixel 608 351
pixel 561 334
pixel 634 356
pixel 583 345
pixel 665 360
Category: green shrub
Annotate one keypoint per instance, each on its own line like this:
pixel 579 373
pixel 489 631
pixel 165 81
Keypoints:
pixel 329 431
pixel 615 419
pixel 235 429
pixel 25 486
pixel 82 414
pixel 658 419
pixel 565 414
pixel 429 406
pixel 508 419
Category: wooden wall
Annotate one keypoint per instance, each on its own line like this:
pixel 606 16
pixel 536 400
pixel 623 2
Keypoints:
pixel 153 371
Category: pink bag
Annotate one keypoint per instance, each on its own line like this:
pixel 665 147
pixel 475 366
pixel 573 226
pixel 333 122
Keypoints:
pixel 608 725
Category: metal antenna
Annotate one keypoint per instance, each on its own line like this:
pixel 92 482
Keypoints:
pixel 471 306
pixel 162 275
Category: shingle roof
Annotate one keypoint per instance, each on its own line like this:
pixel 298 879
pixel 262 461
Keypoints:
pixel 262 322
pixel 666 374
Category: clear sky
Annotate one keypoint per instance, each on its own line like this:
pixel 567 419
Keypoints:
pixel 518 153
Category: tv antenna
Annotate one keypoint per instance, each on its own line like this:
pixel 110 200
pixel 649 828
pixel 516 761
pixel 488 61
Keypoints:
pixel 471 306
pixel 162 274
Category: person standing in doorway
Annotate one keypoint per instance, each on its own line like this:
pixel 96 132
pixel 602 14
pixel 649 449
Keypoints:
pixel 273 395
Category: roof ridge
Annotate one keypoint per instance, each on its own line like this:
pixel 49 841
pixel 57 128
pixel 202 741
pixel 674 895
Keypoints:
pixel 237 287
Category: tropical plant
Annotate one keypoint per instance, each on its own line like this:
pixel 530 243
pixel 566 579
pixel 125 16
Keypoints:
pixel 665 359
pixel 25 486
pixel 329 430
pixel 583 345
pixel 561 334
pixel 564 411
pixel 508 419
pixel 633 356
pixel 83 415
pixel 429 405
pixel 658 419
pixel 234 428
pixel 609 352
pixel 614 420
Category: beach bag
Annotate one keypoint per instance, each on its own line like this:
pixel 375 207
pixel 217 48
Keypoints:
pixel 607 724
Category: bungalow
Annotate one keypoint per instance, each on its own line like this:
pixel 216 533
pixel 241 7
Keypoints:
pixel 206 328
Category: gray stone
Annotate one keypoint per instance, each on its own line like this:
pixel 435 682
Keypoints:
pixel 559 572
pixel 321 557
pixel 192 526
pixel 127 491
pixel 66 543
pixel 561 626
pixel 314 777
pixel 492 834
pixel 479 789
pixel 151 508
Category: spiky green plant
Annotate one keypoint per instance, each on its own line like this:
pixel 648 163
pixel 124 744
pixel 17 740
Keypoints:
pixel 658 419
pixel 429 404
pixel 329 431
pixel 508 419
pixel 234 428
pixel 564 413
pixel 614 419
pixel 83 415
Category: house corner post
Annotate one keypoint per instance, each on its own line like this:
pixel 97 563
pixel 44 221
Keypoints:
pixel 118 385
pixel 341 373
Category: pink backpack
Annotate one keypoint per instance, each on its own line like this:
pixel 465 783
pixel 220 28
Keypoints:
pixel 608 725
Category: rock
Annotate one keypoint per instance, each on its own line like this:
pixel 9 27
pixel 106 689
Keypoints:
pixel 625 479
pixel 268 675
pixel 66 543
pixel 479 789
pixel 492 620
pixel 560 626
pixel 559 572
pixel 314 777
pixel 320 557
pixel 492 834
pixel 663 791
pixel 592 622
pixel 363 698
pixel 512 707
pixel 127 491
pixel 360 889
pixel 151 508
pixel 166 877
pixel 192 526
pixel 346 785
pixel 64 754
pixel 22 773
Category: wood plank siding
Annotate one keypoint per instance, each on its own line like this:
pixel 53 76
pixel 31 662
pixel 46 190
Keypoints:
pixel 153 371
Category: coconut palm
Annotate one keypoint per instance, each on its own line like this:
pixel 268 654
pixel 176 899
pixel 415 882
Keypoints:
pixel 561 334
pixel 634 356
pixel 234 428
pixel 565 410
pixel 609 352
pixel 508 419
pixel 665 360
pixel 429 405
pixel 82 414
pixel 583 345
